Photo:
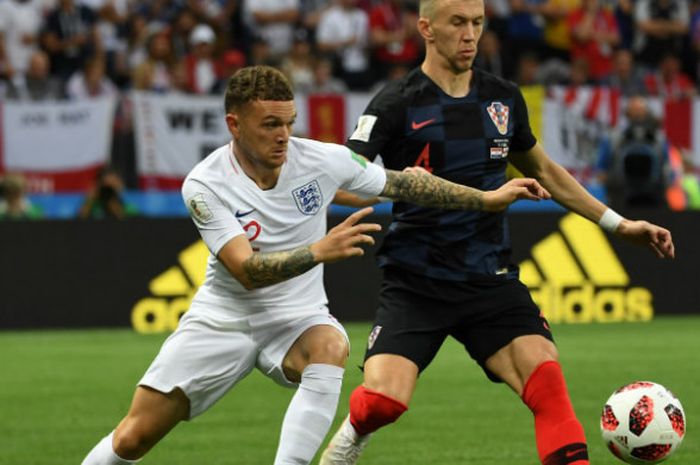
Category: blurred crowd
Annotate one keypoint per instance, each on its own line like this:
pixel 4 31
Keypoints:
pixel 83 48
pixel 76 49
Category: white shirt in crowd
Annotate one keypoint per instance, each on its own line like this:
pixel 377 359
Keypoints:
pixel 338 24
pixel 278 35
pixel 18 22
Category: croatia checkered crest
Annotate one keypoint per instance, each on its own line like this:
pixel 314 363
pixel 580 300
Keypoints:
pixel 643 423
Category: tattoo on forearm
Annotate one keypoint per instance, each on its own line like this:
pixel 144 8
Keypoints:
pixel 431 191
pixel 265 269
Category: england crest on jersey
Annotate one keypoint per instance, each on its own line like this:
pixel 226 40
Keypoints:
pixel 308 198
pixel 499 115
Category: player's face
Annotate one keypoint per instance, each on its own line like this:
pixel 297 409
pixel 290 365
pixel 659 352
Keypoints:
pixel 456 28
pixel 262 129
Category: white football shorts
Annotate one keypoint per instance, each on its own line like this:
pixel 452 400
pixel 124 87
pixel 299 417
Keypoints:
pixel 209 353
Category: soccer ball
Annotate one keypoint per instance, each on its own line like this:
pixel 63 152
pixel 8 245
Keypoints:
pixel 642 423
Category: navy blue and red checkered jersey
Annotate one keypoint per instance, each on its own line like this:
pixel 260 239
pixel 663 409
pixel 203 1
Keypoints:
pixel 412 122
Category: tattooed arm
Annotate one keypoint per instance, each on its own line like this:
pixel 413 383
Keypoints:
pixel 422 188
pixel 260 269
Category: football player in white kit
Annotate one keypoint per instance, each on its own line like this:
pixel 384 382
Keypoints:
pixel 260 205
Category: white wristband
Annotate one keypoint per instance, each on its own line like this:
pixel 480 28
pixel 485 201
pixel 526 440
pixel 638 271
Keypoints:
pixel 610 220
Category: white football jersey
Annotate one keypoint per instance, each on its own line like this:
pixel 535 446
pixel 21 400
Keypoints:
pixel 224 202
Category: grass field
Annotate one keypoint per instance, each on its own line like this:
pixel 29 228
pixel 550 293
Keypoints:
pixel 61 391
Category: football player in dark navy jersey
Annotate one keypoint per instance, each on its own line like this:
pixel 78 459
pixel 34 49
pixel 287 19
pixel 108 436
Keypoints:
pixel 448 273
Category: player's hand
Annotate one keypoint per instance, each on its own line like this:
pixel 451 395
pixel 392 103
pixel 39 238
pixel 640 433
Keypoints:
pixel 515 189
pixel 646 234
pixel 344 240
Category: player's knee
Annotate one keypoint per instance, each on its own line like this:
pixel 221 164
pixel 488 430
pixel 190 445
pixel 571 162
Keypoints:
pixel 130 443
pixel 370 410
pixel 332 349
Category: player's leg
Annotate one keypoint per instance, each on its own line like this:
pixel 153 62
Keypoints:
pixel 316 362
pixel 151 416
pixel 196 366
pixel 529 366
pixel 403 341
pixel 384 395
pixel 515 346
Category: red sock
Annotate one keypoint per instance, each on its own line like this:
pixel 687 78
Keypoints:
pixel 370 410
pixel 560 437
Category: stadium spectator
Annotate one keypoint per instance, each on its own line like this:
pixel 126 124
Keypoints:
pixel 342 34
pixel 490 57
pixel 181 32
pixel 231 61
pixel 669 81
pixel 298 66
pixel 263 304
pixel 36 84
pixel 70 37
pixel 91 81
pixel 661 27
pixel 557 29
pixel 633 161
pixel 14 204
pixel 525 28
pixel 626 77
pixel 528 70
pixel 106 200
pixel 498 14
pixel 112 18
pixel 203 69
pixel 324 82
pixel 274 21
pixel 393 35
pixel 594 35
pixel 458 279
pixel 260 53
pixel 311 11
pixel 157 72
pixel 20 23
pixel 624 17
pixel 138 36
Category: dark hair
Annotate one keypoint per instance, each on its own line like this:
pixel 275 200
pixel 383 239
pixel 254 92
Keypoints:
pixel 256 83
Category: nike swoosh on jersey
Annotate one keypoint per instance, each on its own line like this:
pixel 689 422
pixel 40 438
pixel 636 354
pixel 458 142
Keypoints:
pixel 416 126
pixel 240 214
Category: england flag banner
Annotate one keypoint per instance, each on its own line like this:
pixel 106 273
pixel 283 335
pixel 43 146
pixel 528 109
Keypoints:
pixel 57 146
pixel 173 133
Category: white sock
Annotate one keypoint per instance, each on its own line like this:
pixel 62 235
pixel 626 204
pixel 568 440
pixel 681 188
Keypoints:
pixel 309 414
pixel 103 454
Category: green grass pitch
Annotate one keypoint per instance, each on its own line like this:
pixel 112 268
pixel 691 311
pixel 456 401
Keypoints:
pixel 61 391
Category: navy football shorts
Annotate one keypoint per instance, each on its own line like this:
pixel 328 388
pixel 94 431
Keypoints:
pixel 417 313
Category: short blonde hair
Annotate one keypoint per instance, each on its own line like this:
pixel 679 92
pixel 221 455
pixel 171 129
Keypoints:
pixel 256 83
pixel 427 8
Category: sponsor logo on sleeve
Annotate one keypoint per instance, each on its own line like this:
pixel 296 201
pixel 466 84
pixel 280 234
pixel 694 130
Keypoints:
pixel 363 131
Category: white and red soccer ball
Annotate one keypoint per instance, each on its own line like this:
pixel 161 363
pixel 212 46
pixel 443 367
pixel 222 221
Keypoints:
pixel 642 423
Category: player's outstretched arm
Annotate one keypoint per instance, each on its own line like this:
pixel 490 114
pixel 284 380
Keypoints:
pixel 422 188
pixel 260 269
pixel 569 193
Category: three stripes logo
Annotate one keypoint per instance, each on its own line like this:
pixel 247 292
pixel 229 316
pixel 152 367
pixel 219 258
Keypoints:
pixel 575 277
pixel 171 292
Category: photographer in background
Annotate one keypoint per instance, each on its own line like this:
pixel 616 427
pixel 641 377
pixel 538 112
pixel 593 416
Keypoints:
pixel 105 200
pixel 633 163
